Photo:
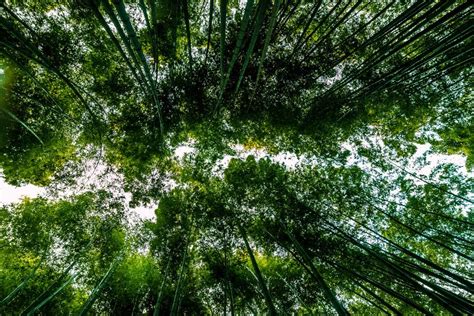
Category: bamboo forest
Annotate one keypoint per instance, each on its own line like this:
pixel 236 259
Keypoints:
pixel 237 157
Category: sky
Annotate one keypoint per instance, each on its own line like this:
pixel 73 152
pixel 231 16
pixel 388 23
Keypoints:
pixel 12 194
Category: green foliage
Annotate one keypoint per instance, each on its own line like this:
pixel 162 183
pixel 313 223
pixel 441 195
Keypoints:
pixel 98 97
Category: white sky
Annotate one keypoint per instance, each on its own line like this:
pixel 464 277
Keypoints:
pixel 11 194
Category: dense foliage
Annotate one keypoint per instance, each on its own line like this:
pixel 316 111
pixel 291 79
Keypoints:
pixel 280 142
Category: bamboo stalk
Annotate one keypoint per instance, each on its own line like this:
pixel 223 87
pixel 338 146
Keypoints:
pixel 258 274
pixel 328 294
pixel 99 287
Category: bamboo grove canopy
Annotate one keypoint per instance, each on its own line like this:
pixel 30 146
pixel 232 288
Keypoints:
pixel 279 142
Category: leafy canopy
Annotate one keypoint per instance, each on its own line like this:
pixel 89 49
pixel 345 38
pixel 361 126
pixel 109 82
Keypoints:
pixel 280 141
